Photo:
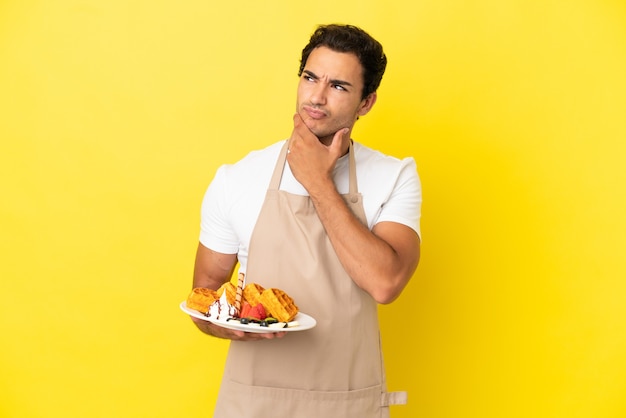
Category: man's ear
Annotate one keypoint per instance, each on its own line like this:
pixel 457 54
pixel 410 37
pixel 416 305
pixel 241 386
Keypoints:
pixel 367 104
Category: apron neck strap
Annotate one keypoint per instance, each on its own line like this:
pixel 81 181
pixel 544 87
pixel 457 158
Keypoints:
pixel 282 158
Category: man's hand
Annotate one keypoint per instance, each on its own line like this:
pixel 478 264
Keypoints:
pixel 312 162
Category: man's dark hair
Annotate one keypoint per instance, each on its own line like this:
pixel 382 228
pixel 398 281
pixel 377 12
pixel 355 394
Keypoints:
pixel 350 39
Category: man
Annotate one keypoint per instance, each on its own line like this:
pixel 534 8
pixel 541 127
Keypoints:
pixel 297 217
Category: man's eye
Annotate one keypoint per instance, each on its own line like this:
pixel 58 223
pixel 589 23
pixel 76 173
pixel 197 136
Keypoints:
pixel 308 78
pixel 339 87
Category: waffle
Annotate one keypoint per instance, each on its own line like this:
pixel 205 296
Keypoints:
pixel 231 292
pixel 201 298
pixel 252 293
pixel 278 304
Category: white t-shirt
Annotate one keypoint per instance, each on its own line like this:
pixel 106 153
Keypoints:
pixel 390 188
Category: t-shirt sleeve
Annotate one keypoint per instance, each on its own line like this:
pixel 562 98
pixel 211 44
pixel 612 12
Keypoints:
pixel 405 200
pixel 216 232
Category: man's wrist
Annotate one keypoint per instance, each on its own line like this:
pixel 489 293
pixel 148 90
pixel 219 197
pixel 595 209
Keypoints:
pixel 322 189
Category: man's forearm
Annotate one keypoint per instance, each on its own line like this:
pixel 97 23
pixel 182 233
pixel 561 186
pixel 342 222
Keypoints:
pixel 371 262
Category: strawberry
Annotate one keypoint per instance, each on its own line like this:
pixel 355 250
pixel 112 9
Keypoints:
pixel 257 312
pixel 261 310
pixel 245 310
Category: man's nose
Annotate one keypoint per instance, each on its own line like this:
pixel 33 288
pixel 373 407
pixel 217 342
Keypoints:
pixel 318 96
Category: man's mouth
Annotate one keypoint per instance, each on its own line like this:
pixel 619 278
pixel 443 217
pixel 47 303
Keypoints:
pixel 314 112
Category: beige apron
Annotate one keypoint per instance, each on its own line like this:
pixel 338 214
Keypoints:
pixel 333 370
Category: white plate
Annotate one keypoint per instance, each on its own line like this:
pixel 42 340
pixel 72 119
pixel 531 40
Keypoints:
pixel 304 322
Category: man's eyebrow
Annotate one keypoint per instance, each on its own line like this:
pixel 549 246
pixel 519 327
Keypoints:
pixel 334 82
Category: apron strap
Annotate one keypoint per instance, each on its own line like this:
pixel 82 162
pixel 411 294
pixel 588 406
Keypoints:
pixel 353 184
pixel 280 165
pixel 393 398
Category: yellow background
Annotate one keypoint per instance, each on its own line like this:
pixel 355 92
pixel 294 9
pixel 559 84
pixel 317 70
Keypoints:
pixel 114 116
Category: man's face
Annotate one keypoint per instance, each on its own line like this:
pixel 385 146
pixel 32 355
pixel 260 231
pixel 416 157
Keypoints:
pixel 329 92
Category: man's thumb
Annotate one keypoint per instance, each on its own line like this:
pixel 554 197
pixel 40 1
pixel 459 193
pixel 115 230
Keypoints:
pixel 338 138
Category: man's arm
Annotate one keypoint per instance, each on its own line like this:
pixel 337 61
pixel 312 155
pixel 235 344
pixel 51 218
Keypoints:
pixel 211 270
pixel 380 261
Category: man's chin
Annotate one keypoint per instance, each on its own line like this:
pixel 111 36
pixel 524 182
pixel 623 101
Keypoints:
pixel 323 135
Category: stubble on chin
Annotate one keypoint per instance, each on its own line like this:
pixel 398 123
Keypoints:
pixel 325 136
